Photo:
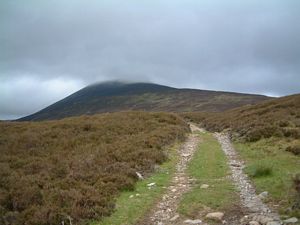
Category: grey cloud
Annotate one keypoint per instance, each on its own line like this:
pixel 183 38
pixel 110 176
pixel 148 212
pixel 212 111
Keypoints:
pixel 244 46
pixel 26 95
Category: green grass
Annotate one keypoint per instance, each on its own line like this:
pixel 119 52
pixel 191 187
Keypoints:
pixel 270 153
pixel 259 170
pixel 131 210
pixel 208 167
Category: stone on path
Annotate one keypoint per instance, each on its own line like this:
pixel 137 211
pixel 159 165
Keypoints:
pixel 140 176
pixel 262 219
pixel 174 218
pixel 291 220
pixel 193 221
pixel 254 223
pixel 204 186
pixel 151 184
pixel 215 216
pixel 273 223
pixel 263 195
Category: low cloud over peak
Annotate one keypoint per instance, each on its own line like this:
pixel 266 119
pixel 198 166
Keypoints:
pixel 52 48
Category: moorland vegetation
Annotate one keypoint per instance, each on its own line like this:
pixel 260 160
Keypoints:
pixel 73 169
pixel 279 117
pixel 267 137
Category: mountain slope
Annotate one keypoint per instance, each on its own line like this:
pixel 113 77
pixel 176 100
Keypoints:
pixel 117 96
pixel 278 117
pixel 267 138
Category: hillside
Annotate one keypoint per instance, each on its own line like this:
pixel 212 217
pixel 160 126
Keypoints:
pixel 267 137
pixel 84 168
pixel 116 96
pixel 278 117
pixel 76 167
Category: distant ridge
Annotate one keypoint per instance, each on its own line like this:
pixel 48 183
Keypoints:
pixel 278 117
pixel 119 96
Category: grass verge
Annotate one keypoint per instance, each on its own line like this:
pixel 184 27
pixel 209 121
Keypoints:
pixel 270 154
pixel 131 206
pixel 208 166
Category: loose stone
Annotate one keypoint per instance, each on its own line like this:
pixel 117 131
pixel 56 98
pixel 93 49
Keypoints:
pixel 215 216
pixel 193 221
pixel 204 186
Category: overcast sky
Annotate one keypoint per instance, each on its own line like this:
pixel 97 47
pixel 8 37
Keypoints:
pixel 50 49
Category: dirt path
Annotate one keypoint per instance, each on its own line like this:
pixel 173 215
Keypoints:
pixel 257 210
pixel 164 213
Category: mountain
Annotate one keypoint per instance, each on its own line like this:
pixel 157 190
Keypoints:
pixel 118 96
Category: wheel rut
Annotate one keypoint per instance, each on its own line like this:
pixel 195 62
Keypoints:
pixel 256 210
pixel 164 212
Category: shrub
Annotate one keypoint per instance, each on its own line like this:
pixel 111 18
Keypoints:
pixel 296 181
pixel 253 135
pixel 294 148
pixel 291 132
pixel 283 123
pixel 259 170
pixel 76 167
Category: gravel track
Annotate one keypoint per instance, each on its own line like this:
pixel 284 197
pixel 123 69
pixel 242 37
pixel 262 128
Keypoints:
pixel 249 199
pixel 164 213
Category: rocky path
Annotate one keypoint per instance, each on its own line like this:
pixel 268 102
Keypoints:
pixel 258 212
pixel 164 213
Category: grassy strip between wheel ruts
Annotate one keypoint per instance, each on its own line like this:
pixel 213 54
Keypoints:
pixel 271 169
pixel 208 167
pixel 131 206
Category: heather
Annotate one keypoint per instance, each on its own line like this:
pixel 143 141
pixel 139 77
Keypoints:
pixel 73 169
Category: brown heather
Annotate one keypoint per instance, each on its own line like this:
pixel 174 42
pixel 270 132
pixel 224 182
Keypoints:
pixel 279 117
pixel 75 168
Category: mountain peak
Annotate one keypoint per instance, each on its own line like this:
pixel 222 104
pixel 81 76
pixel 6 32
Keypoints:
pixel 115 96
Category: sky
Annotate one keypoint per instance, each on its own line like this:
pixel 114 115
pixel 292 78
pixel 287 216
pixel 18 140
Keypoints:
pixel 50 49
